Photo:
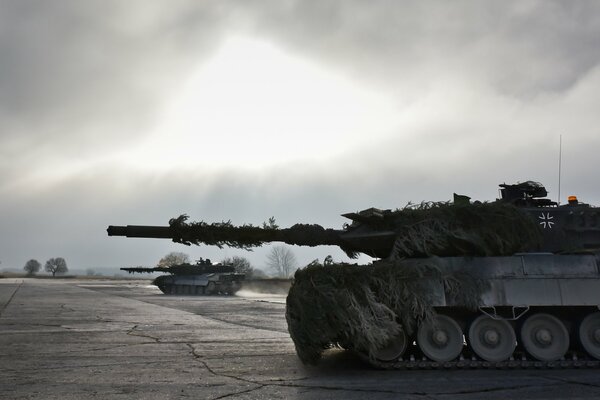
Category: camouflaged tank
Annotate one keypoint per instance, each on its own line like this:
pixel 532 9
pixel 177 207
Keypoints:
pixel 510 283
pixel 202 278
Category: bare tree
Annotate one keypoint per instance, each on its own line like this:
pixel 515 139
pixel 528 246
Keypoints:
pixel 173 258
pixel 282 261
pixel 242 266
pixel 56 265
pixel 32 267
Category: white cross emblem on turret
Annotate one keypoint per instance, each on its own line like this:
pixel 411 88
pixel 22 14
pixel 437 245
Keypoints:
pixel 546 220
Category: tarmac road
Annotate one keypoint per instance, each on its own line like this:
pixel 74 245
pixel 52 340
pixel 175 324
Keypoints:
pixel 69 339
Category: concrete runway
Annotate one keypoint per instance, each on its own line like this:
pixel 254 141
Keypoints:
pixel 69 339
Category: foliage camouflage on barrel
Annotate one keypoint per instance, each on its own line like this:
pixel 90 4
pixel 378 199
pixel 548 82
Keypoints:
pixel 362 306
pixel 247 236
pixel 423 230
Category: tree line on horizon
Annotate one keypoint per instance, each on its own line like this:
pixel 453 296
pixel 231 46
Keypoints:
pixel 56 265
pixel 281 261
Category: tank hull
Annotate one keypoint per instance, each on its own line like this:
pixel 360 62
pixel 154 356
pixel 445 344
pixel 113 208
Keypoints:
pixel 204 284
pixel 535 308
pixel 531 279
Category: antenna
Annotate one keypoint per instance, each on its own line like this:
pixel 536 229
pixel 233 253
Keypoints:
pixel 559 166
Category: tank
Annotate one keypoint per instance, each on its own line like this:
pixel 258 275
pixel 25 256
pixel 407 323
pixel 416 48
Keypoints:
pixel 202 278
pixel 509 283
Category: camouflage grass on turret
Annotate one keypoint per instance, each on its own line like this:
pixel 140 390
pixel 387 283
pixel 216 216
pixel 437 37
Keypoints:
pixel 361 307
pixel 424 230
pixel 444 229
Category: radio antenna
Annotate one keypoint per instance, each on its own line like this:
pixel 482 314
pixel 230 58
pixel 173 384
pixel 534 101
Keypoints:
pixel 559 165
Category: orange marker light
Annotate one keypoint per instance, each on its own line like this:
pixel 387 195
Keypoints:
pixel 572 199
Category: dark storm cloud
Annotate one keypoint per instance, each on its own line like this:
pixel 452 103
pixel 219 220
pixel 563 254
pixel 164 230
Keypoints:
pixel 81 74
pixel 520 47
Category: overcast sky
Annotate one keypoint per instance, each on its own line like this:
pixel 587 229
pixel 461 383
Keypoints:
pixel 133 112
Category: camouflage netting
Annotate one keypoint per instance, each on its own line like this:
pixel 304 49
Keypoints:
pixel 361 307
pixel 428 229
pixel 444 229
pixel 162 280
pixel 247 236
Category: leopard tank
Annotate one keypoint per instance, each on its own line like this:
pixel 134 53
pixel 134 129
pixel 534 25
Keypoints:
pixel 511 283
pixel 202 278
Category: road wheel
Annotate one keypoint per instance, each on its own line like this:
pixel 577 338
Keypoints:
pixel 393 349
pixel 440 340
pixel 545 337
pixel 589 334
pixel 492 339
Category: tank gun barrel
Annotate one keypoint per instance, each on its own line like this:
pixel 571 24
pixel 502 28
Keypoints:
pixel 144 270
pixel 226 234
pixel 183 269
pixel 140 231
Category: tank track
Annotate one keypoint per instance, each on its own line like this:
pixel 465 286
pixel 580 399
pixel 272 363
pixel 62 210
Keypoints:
pixel 571 361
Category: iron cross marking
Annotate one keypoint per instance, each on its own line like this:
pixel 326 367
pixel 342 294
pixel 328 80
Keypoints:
pixel 546 220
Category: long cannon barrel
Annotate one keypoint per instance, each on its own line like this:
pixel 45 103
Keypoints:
pixel 141 231
pixel 225 234
pixel 184 269
pixel 299 234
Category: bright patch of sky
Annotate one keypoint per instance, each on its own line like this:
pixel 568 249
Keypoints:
pixel 253 105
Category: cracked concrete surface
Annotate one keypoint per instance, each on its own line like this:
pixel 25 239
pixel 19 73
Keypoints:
pixel 63 339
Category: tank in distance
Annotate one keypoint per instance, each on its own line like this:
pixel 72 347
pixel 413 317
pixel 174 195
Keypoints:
pixel 201 278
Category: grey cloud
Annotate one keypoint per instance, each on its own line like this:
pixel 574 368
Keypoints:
pixel 90 75
pixel 82 71
pixel 522 48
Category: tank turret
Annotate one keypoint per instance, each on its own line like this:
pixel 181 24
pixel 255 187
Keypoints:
pixel 519 221
pixel 569 228
pixel 519 278
pixel 204 277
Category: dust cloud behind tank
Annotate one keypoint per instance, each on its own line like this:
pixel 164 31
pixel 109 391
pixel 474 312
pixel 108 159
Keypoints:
pixel 517 277
pixel 202 278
